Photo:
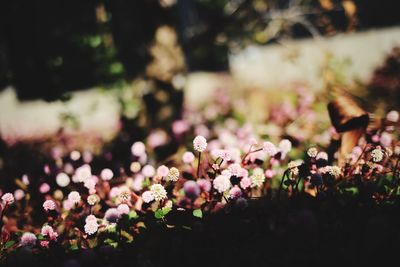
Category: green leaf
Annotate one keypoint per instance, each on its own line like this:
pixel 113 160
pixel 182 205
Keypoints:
pixel 198 213
pixel 166 210
pixel 74 247
pixel 8 244
pixel 159 214
pixel 133 215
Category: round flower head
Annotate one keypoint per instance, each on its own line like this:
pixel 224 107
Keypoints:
pixel 75 155
pixel 191 189
pixel 114 192
pixel 245 182
pixel 179 127
pixel 235 192
pixel 92 199
pixel 19 194
pixel 82 173
pixel 386 139
pixel 269 173
pixel 74 197
pixel 285 145
pixel 62 179
pixel 225 155
pixel 90 184
pixel 106 174
pixel 393 116
pixel 375 138
pixel 135 166
pixel 222 183
pixel 257 179
pixel 269 148
pixel 162 171
pixel 235 169
pixel 112 215
pixel 199 143
pixel 158 192
pixel 67 205
pixel 148 196
pixel 335 171
pixel 44 188
pixel 91 218
pixel 187 157
pixel 124 196
pixel 312 152
pixel 322 155
pixel 204 184
pixel 49 205
pixel 47 230
pixel 91 227
pixel 8 198
pixel 138 149
pixel 173 175
pixel 28 239
pixel 148 171
pixel 123 208
pixel 377 155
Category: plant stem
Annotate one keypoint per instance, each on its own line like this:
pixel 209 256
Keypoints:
pixel 198 166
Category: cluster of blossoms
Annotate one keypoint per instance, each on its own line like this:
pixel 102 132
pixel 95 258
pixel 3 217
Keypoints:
pixel 224 165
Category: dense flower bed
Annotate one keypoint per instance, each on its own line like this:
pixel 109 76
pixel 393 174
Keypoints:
pixel 224 171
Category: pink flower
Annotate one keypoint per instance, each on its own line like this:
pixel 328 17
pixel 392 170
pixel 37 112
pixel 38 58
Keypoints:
pixel 90 184
pixel 204 184
pixel 67 205
pixel 44 188
pixel 285 146
pixel 74 197
pixel 235 192
pixel 47 230
pixel 114 192
pixel 179 127
pixel 245 182
pixel 222 183
pixel 123 208
pixel 28 239
pixel 225 155
pixel 375 138
pixel 106 174
pixel 8 198
pixel 235 169
pixel 393 116
pixel 49 205
pixel 269 148
pixel 90 218
pixel 148 171
pixel 322 155
pixel 357 151
pixel 269 174
pixel 386 139
pixel 199 143
pixel 82 173
pixel 157 138
pixel 162 171
pixel 138 149
pixel 44 243
pixel 91 227
pixel 19 194
pixel 187 157
pixel 148 196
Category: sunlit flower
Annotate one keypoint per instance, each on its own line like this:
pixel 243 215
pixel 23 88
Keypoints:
pixel 312 152
pixel 8 198
pixel 199 143
pixel 106 174
pixel 158 191
pixel 148 196
pixel 269 148
pixel 222 183
pixel 138 149
pixel 62 179
pixel 123 208
pixel 393 116
pixel 377 155
pixel 188 157
pixel 92 199
pixel 91 227
pixel 148 171
pixel 82 174
pixel 162 171
pixel 49 205
pixel 258 178
pixel 74 197
pixel 173 175
pixel 285 145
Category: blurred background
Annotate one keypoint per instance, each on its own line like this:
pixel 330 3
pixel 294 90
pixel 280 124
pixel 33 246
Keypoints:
pixel 98 74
